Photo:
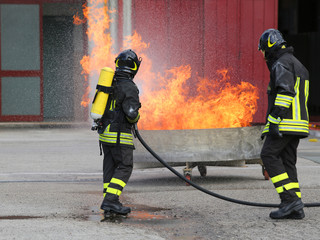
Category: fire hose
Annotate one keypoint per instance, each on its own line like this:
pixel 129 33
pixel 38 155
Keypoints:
pixel 164 163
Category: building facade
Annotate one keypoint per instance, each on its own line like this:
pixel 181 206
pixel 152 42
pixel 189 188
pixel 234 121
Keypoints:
pixel 41 48
pixel 40 67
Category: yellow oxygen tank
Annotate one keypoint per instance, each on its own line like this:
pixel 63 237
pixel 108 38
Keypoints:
pixel 100 99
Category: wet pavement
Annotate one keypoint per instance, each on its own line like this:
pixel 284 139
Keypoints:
pixel 17 217
pixel 140 214
pixel 51 187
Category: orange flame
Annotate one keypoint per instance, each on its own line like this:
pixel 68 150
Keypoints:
pixel 214 106
pixel 96 15
pixel 168 99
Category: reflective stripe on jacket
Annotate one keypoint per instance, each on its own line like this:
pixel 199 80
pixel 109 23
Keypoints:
pixel 112 137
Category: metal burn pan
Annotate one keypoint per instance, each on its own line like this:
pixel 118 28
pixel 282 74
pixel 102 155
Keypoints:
pixel 200 147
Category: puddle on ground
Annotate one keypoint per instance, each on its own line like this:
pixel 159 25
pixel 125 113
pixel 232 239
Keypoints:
pixel 17 217
pixel 139 214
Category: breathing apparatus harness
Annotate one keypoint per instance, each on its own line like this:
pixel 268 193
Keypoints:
pixel 255 204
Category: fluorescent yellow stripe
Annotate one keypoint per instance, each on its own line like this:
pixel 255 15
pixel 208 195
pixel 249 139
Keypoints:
pixel 298 99
pixel 108 140
pixel 283 100
pixel 291 185
pixel 112 105
pixel 105 186
pixel 294 122
pixel 269 43
pixel 282 104
pixel 288 186
pixel 279 189
pixel 107 129
pixel 293 129
pixel 134 120
pixel 115 135
pixel 126 135
pixel 111 137
pixel 296 102
pixel 284 97
pixel 274 120
pixel 304 128
pixel 306 94
pixel 107 133
pixel 279 177
pixel 118 181
pixel 115 141
pixel 266 128
pixel 135 67
pixel 113 191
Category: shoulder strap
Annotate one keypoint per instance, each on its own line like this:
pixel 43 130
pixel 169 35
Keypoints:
pixel 104 89
pixel 103 118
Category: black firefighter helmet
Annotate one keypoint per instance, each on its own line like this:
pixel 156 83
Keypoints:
pixel 128 61
pixel 271 40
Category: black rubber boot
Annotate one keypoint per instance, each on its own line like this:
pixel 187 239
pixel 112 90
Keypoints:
pixel 112 204
pixel 287 209
pixel 295 214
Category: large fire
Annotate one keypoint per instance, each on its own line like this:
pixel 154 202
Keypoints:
pixel 166 99
pixel 97 17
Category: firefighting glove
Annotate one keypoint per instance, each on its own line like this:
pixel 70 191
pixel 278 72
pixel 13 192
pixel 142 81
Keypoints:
pixel 274 130
pixel 96 125
pixel 274 121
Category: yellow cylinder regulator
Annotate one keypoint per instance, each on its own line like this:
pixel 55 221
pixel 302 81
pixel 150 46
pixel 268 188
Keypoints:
pixel 103 90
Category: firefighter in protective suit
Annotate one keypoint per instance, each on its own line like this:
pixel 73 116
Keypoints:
pixel 115 138
pixel 287 121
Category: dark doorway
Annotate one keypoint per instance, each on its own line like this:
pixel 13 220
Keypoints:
pixel 299 21
pixel 58 85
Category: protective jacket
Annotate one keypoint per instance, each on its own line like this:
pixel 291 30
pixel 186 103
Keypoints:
pixel 288 93
pixel 121 113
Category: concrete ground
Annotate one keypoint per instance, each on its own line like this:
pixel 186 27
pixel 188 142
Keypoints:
pixel 51 184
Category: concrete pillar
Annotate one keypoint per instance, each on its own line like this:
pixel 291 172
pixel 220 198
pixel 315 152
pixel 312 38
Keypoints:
pixel 113 7
pixel 127 21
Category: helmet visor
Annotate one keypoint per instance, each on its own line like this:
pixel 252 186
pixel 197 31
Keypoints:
pixel 126 63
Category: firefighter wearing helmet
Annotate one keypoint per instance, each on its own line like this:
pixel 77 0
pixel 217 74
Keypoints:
pixel 115 138
pixel 287 121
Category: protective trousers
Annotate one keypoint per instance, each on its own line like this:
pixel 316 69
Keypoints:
pixel 279 156
pixel 117 169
